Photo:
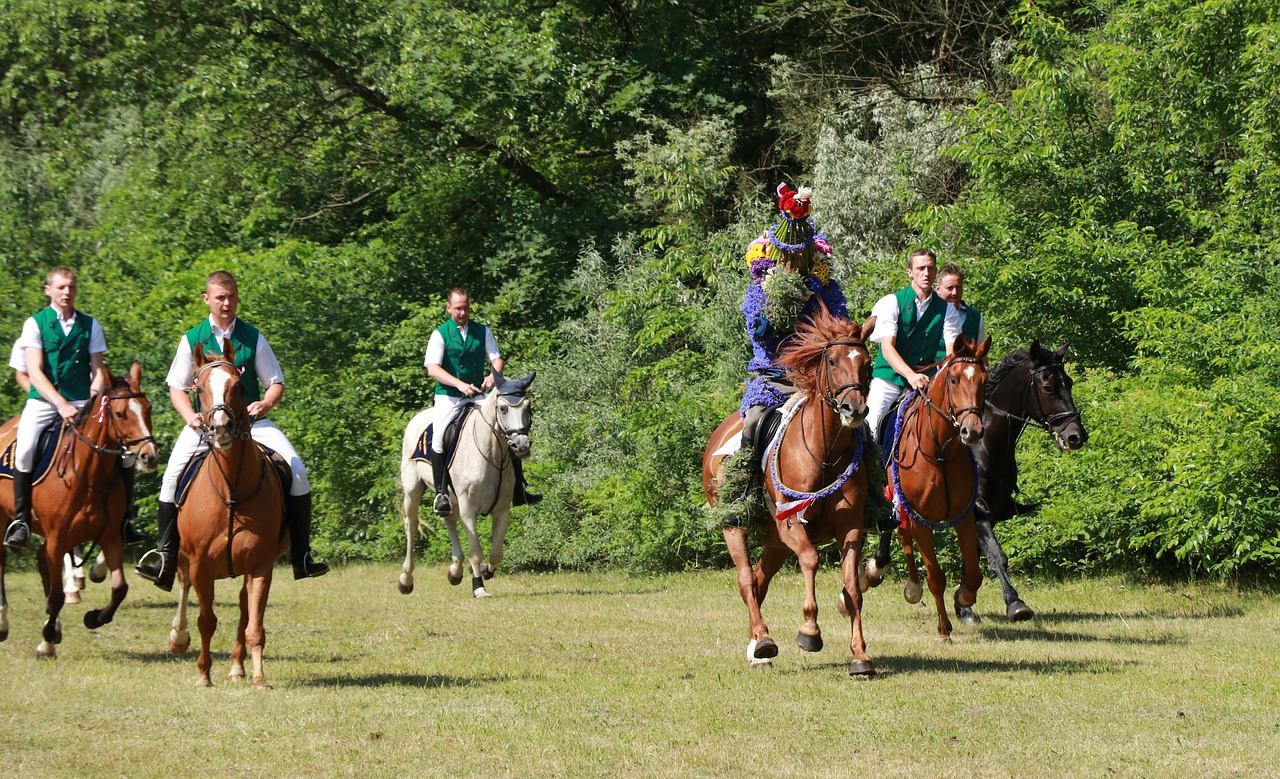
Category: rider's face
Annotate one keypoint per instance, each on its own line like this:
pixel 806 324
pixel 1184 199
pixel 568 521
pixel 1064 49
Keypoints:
pixel 951 289
pixel 459 309
pixel 62 292
pixel 222 302
pixel 922 271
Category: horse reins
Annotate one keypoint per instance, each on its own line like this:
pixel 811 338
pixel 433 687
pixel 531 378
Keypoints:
pixel 1050 423
pixel 507 453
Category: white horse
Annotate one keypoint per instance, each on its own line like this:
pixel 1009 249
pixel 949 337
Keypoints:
pixel 481 478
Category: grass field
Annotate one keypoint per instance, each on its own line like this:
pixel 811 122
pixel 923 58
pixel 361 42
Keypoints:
pixel 609 675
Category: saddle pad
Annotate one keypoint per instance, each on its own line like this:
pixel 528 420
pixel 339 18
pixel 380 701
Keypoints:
pixel 888 430
pixel 46 446
pixel 422 452
pixel 193 466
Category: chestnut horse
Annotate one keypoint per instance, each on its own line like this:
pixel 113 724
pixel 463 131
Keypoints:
pixel 230 521
pixel 82 498
pixel 1028 387
pixel 816 474
pixel 934 474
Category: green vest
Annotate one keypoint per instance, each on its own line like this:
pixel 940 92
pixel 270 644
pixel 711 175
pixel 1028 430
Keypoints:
pixel 972 318
pixel 66 355
pixel 916 341
pixel 244 337
pixel 462 359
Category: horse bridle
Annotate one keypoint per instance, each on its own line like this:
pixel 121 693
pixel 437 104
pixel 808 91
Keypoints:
pixel 832 396
pixel 206 429
pixel 953 414
pixel 1050 423
pixel 125 449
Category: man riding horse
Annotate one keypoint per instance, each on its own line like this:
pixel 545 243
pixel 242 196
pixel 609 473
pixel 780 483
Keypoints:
pixel 62 349
pixel 456 353
pixel 263 383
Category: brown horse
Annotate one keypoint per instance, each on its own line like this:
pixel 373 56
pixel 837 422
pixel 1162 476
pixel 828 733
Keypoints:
pixel 230 522
pixel 934 474
pixel 816 475
pixel 82 498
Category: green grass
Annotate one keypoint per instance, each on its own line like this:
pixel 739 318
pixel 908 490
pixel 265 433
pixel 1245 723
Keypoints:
pixel 609 675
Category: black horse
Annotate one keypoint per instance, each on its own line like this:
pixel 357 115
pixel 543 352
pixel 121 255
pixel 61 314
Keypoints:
pixel 1028 387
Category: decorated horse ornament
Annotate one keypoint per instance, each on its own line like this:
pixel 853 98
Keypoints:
pixel 1027 388
pixel 230 522
pixel 481 479
pixel 934 475
pixel 815 484
pixel 81 497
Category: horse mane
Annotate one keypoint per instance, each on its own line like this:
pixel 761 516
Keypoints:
pixel 1007 364
pixel 117 383
pixel 802 354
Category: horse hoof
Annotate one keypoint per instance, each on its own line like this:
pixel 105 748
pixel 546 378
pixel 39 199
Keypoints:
pixel 912 592
pixel 236 675
pixel 486 572
pixel 405 584
pixel 261 685
pixel 93 619
pixel 941 640
pixel 4 635
pixel 968 616
pixel 762 649
pixel 861 669
pixel 179 643
pixel 809 643
pixel 455 579
pixel 71 597
pixel 46 651
pixel 203 682
pixel 1020 612
pixel 480 592
pixel 98 573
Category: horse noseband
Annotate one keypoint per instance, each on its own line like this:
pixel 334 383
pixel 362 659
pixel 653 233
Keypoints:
pixel 832 399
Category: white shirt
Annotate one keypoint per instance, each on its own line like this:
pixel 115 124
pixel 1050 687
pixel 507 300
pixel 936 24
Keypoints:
pixel 17 357
pixel 32 339
pixel 886 313
pixel 435 345
pixel 182 372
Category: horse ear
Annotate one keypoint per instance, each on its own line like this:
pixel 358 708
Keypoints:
pixel 1035 351
pixel 135 375
pixel 197 355
pixel 984 348
pixel 521 386
pixel 498 379
pixel 1061 353
pixel 228 351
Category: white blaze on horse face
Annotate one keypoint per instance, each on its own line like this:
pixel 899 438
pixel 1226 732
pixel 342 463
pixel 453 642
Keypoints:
pixel 219 419
pixel 968 373
pixel 146 455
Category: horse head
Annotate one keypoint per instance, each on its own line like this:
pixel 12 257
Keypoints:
pixel 125 412
pixel 959 388
pixel 1055 407
pixel 515 411
pixel 828 358
pixel 221 394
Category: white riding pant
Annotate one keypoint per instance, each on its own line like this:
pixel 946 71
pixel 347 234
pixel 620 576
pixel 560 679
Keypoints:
pixel 446 410
pixel 879 399
pixel 263 431
pixel 36 416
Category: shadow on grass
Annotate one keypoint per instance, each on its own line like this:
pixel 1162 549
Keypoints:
pixel 1208 611
pixel 893 665
pixel 1006 633
pixel 401 680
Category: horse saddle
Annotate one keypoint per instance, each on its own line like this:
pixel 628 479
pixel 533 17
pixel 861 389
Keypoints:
pixel 422 451
pixel 50 439
pixel 192 468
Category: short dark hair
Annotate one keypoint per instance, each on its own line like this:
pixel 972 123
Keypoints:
pixel 221 278
pixel 458 291
pixel 951 269
pixel 921 253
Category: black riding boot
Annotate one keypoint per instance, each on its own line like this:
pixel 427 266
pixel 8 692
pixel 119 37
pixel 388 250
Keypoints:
pixel 131 534
pixel 297 512
pixel 18 535
pixel 521 496
pixel 162 571
pixel 441 506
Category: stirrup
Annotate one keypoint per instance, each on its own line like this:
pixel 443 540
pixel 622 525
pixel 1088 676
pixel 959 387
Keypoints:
pixel 155 573
pixel 17 536
pixel 308 568
pixel 441 504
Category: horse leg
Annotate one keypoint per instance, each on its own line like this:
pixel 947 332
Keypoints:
pixel 501 518
pixel 761 649
pixel 474 551
pixel 1016 610
pixel 410 503
pixel 72 576
pixel 238 648
pixel 851 599
pixel 98 573
pixel 911 591
pixel 874 568
pixel 971 572
pixel 4 598
pixel 51 571
pixel 180 635
pixel 809 637
pixel 259 587
pixel 455 564
pixel 937 580
pixel 113 549
pixel 207 621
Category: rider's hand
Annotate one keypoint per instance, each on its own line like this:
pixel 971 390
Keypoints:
pixel 196 421
pixel 469 389
pixel 487 384
pixel 68 412
pixel 918 381
pixel 258 409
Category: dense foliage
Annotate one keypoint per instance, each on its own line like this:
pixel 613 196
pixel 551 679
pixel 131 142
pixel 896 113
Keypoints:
pixel 592 170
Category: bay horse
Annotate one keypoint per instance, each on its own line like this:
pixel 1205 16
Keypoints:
pixel 1027 387
pixel 815 483
pixel 933 473
pixel 230 521
pixel 82 497
pixel 481 478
